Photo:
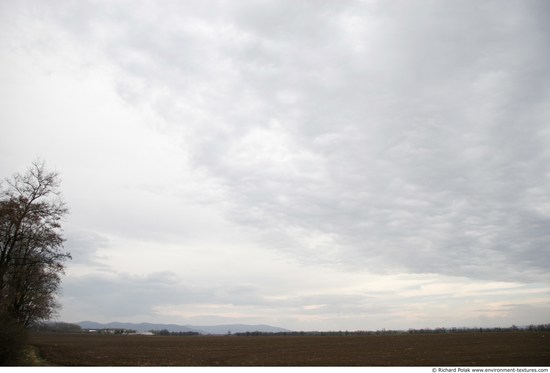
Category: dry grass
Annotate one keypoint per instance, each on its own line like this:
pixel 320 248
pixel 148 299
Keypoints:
pixel 31 357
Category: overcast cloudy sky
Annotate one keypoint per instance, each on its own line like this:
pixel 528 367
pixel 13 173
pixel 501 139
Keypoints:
pixel 306 164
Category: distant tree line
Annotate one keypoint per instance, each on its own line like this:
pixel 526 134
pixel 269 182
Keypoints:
pixel 62 327
pixel 169 333
pixel 117 331
pixel 513 328
pixel 56 327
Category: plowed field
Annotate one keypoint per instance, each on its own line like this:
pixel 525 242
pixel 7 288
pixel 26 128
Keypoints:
pixel 469 349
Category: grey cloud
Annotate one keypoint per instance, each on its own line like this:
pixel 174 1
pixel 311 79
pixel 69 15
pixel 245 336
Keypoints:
pixel 120 295
pixel 117 294
pixel 388 136
pixel 340 304
pixel 444 141
pixel 517 314
pixel 84 247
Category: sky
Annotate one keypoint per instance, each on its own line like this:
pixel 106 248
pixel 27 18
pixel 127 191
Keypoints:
pixel 312 165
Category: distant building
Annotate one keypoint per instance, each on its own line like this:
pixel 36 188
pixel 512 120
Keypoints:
pixel 144 333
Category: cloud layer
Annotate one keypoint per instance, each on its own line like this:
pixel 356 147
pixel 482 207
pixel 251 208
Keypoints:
pixel 386 138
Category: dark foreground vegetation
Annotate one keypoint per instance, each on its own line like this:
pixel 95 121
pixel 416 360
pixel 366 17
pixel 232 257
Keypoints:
pixel 32 258
pixel 519 348
pixel 13 339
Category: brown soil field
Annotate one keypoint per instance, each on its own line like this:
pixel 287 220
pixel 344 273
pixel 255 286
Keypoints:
pixel 468 349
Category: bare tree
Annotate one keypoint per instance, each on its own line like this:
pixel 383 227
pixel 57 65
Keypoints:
pixel 31 244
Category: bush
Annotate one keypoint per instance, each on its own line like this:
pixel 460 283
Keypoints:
pixel 13 340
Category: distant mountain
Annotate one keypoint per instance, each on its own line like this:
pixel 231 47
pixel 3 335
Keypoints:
pixel 238 328
pixel 141 327
pixel 209 329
